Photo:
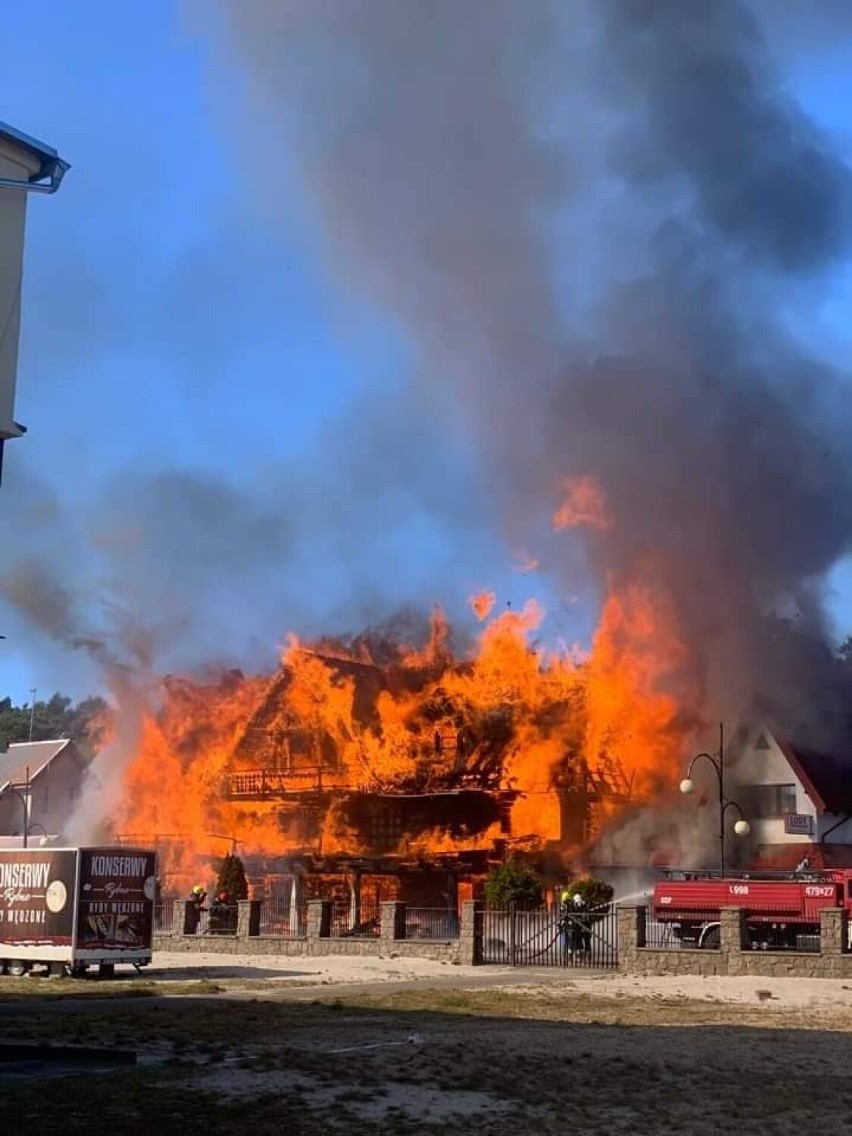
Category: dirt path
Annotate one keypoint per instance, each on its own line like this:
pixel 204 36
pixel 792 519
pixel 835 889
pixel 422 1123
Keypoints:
pixel 582 1055
pixel 275 979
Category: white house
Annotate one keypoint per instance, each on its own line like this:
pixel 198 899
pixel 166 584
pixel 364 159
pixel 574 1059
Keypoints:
pixel 798 802
pixel 44 778
pixel 26 166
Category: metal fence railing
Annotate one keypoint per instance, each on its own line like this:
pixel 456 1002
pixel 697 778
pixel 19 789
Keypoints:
pixel 280 918
pixel 697 930
pixel 215 919
pixel 222 919
pixel 763 935
pixel 164 917
pixel 551 938
pixel 431 923
pixel 362 923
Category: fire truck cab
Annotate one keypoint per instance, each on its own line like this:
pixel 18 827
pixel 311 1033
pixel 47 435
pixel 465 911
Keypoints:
pixel 782 909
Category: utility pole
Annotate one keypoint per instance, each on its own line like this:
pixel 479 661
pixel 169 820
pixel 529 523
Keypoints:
pixel 22 792
pixel 32 710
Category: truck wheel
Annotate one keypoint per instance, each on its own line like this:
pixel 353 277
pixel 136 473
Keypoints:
pixel 711 940
pixel 78 970
pixel 106 970
pixel 17 968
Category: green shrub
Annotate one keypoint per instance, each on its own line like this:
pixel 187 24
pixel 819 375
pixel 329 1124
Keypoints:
pixel 594 894
pixel 513 884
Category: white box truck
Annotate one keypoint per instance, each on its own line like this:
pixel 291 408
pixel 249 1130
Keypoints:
pixel 73 908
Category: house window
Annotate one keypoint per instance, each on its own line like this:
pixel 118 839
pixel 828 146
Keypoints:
pixel 771 802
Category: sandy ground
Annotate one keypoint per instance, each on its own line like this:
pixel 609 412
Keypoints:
pixel 349 970
pixel 282 973
pixel 401 1046
pixel 783 992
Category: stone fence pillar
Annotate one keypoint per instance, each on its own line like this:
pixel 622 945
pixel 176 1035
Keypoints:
pixel 179 926
pixel 470 933
pixel 319 919
pixel 833 931
pixel 631 932
pixel 392 925
pixel 248 918
pixel 732 930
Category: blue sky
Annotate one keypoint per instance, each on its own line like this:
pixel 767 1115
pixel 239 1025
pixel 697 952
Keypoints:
pixel 170 330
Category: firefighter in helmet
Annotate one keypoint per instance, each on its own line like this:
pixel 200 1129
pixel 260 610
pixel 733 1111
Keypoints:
pixel 221 912
pixel 574 937
pixel 194 908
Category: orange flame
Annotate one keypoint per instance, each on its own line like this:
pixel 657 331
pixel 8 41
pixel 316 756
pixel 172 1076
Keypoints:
pixel 524 563
pixel 583 503
pixel 483 604
pixel 415 751
pixel 319 755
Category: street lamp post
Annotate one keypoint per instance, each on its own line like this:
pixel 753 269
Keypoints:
pixel 687 785
pixel 23 793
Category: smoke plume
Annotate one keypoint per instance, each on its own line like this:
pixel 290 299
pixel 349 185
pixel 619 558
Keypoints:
pixel 589 220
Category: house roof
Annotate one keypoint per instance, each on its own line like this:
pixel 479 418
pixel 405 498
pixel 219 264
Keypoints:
pixel 827 779
pixel 35 755
pixel 26 142
pixel 45 159
pixel 35 841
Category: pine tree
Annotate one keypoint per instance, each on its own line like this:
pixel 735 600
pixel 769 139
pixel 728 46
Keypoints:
pixel 232 879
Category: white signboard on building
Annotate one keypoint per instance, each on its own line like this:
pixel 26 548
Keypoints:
pixel 799 824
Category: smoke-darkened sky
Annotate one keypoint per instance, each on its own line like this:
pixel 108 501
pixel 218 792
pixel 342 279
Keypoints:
pixel 335 294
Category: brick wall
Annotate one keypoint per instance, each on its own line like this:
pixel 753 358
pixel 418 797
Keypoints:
pixel 831 961
pixel 391 941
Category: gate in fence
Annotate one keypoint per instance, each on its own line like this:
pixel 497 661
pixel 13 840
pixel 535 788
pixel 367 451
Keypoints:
pixel 551 938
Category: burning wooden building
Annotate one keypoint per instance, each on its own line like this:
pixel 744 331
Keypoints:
pixel 401 776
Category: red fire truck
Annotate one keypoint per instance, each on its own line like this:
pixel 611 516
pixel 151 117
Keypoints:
pixel 783 910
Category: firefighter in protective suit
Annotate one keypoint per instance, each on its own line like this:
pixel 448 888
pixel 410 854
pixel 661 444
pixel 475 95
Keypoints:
pixel 194 908
pixel 574 935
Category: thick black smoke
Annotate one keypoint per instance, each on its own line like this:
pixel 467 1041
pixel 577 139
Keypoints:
pixel 589 218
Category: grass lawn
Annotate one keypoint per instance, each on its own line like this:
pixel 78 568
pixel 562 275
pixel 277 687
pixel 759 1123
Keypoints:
pixel 443 1061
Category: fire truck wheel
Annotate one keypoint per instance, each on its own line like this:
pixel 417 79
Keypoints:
pixel 78 970
pixel 17 968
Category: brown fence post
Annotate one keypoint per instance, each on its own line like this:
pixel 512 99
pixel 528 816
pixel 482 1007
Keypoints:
pixel 641 926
